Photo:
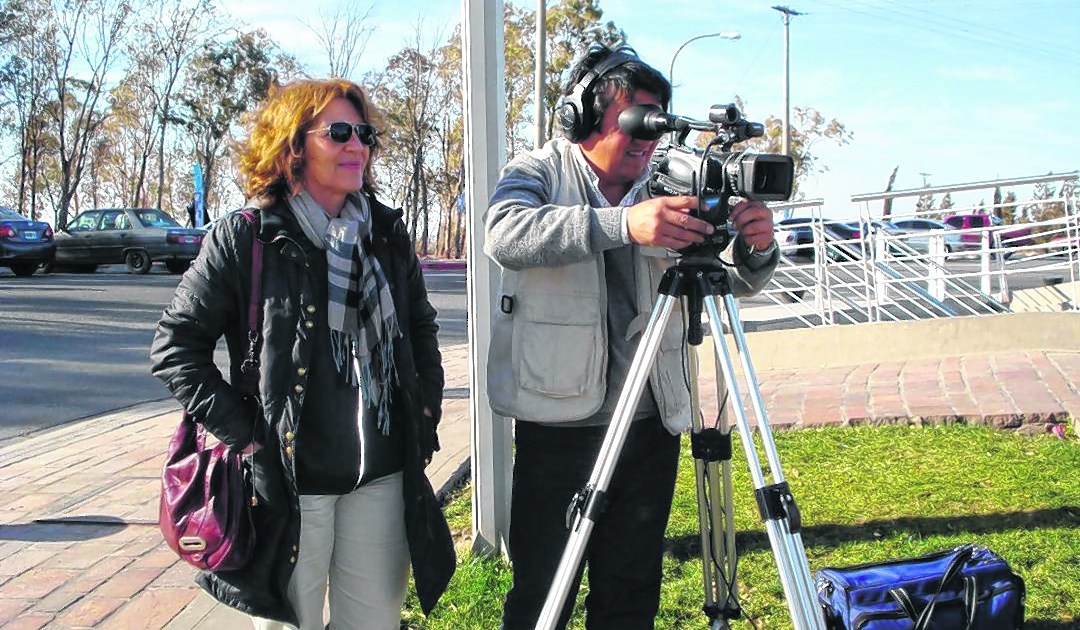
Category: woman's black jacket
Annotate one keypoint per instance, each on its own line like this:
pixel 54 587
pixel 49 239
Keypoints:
pixel 211 301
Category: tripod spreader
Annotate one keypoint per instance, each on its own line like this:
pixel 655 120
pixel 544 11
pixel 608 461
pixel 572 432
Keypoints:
pixel 711 445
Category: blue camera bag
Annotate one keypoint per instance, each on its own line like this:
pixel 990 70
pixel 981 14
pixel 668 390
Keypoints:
pixel 967 588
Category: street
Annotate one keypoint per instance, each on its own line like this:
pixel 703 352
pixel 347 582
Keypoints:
pixel 76 345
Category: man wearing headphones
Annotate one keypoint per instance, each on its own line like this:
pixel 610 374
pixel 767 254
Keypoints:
pixel 582 246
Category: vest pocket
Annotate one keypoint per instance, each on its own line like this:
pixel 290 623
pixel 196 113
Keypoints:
pixel 557 345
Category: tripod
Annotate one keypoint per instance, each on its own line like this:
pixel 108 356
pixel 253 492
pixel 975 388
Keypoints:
pixel 700 279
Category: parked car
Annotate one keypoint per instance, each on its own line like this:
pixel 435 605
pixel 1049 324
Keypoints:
pixel 972 235
pixel 24 244
pixel 137 237
pixel 1063 244
pixel 921 228
pixel 852 231
pixel 796 235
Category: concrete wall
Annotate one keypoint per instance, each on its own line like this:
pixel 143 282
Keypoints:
pixel 833 346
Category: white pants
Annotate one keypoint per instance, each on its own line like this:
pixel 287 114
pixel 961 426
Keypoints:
pixel 356 543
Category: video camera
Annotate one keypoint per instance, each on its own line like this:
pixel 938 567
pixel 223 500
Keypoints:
pixel 714 174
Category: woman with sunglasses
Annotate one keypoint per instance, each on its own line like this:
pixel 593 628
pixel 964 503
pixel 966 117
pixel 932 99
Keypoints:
pixel 350 376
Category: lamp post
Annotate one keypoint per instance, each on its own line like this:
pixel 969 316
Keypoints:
pixel 671 67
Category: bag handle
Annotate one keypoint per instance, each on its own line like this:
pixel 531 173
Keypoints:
pixel 971 592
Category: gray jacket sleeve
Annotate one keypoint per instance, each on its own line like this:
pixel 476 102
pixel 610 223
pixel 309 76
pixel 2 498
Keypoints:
pixel 527 225
pixel 751 272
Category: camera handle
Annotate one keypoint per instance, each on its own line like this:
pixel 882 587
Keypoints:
pixel 700 280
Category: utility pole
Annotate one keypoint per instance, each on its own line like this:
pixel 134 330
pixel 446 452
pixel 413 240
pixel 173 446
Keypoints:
pixel 786 150
pixel 541 65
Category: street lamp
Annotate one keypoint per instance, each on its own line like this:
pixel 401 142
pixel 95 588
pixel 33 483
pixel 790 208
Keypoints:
pixel 671 67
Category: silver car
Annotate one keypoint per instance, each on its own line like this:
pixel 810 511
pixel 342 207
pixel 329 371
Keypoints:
pixel 137 237
pixel 921 230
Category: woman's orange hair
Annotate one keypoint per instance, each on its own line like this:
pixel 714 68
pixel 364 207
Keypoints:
pixel 271 160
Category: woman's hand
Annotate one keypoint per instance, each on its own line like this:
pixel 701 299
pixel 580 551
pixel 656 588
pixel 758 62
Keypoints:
pixel 429 440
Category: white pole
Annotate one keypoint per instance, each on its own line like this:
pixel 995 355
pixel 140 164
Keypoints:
pixel 786 149
pixel 482 43
pixel 541 65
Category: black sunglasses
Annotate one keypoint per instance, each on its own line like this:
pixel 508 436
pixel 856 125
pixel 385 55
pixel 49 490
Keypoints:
pixel 341 132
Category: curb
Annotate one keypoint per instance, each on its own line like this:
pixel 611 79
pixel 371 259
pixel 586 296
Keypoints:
pixel 442 264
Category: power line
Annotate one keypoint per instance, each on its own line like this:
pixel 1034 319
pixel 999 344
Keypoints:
pixel 954 28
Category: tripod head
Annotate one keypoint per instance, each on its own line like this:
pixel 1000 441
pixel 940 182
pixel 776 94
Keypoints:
pixel 696 275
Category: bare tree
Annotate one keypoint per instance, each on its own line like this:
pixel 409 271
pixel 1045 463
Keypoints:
pixel 89 36
pixel 26 27
pixel 344 35
pixel 133 132
pixel 227 80
pixel 518 78
pixel 886 208
pixel 168 39
pixel 448 168
pixel 809 128
pixel 407 92
pixel 571 26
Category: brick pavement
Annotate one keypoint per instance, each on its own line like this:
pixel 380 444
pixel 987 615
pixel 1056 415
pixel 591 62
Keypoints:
pixel 80 548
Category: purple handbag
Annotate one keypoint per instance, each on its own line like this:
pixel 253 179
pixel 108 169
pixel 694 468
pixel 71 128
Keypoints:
pixel 206 498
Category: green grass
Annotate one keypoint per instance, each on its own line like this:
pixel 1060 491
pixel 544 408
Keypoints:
pixel 866 494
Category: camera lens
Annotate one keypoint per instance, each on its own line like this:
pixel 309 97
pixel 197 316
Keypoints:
pixel 761 180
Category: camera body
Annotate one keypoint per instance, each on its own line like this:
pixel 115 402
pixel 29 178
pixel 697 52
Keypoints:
pixel 715 173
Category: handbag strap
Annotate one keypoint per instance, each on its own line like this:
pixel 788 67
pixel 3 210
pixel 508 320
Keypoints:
pixel 249 368
pixel 250 365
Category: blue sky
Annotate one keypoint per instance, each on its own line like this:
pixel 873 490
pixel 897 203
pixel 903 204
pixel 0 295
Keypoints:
pixel 950 91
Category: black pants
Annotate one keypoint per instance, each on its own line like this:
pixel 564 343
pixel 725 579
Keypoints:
pixel 625 549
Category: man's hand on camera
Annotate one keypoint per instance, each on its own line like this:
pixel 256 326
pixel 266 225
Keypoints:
pixel 666 222
pixel 754 223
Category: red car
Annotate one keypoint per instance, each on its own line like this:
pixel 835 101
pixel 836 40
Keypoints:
pixel 972 224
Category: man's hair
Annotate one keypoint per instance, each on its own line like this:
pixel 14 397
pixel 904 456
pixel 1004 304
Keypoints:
pixel 625 78
pixel 271 160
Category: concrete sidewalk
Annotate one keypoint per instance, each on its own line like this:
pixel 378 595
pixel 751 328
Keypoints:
pixel 80 547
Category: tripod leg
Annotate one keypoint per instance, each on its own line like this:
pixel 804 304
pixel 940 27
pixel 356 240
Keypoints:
pixel 712 462
pixel 729 505
pixel 802 566
pixel 589 503
pixel 775 501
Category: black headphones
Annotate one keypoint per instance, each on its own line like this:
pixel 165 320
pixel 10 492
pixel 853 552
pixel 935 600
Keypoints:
pixel 575 112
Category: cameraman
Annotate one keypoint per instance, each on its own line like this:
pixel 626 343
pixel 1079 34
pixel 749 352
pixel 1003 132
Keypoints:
pixel 582 247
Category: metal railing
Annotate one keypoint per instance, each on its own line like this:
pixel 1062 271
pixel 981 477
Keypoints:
pixel 884 275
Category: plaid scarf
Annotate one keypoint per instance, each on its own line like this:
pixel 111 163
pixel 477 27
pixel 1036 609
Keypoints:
pixel 363 322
